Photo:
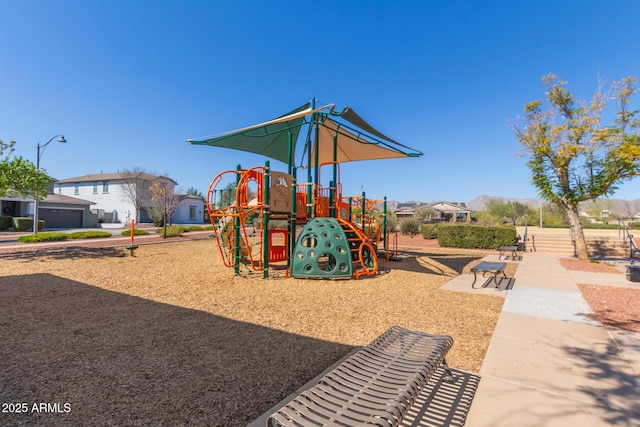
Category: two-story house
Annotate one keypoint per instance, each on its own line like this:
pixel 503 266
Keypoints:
pixel 124 196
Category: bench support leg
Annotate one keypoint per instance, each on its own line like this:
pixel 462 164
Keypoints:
pixel 449 378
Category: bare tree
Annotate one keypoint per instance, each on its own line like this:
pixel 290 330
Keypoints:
pixel 164 200
pixel 631 208
pixel 137 188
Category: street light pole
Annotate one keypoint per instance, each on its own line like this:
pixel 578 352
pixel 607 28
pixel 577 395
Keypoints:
pixel 540 213
pixel 40 152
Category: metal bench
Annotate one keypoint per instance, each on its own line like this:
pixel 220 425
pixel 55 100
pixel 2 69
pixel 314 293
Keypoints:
pixel 494 268
pixel 512 249
pixel 375 386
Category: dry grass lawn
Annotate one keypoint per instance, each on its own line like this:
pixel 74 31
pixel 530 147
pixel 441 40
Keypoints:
pixel 171 337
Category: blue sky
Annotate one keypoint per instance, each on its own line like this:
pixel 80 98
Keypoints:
pixel 128 82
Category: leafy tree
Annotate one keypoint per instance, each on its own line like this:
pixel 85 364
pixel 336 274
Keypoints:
pixel 518 211
pixel 193 191
pixel 20 177
pixel 511 212
pixel 227 195
pixel 424 214
pixel 552 214
pixel 483 217
pixel 572 156
pixel 498 210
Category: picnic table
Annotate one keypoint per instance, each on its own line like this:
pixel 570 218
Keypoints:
pixel 506 249
pixel 485 267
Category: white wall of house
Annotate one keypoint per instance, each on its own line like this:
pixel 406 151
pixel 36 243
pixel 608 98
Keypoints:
pixel 189 211
pixel 111 200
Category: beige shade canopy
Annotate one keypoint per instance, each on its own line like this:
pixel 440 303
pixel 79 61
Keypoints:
pixel 350 146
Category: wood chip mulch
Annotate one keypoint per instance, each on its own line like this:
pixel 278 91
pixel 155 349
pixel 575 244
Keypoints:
pixel 171 337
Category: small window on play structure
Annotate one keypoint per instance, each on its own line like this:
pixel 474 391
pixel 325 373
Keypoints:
pixel 281 181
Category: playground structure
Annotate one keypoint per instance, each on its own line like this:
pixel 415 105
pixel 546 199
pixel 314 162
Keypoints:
pixel 262 217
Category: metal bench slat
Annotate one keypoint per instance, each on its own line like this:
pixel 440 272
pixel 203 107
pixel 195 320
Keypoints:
pixel 311 408
pixel 361 409
pixel 375 386
pixel 380 397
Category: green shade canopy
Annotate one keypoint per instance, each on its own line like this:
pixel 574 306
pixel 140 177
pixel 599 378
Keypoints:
pixel 270 139
pixel 277 138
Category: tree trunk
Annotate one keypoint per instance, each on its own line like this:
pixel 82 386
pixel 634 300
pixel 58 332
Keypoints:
pixel 578 232
pixel 164 226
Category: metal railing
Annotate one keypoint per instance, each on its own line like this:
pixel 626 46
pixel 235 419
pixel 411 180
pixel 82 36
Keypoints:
pixel 627 238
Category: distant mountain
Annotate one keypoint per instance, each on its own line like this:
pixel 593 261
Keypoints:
pixel 480 202
pixel 619 207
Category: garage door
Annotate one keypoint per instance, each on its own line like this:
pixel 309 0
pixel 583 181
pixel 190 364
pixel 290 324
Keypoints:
pixel 61 218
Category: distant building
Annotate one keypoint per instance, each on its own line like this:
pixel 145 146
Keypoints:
pixel 86 201
pixel 190 210
pixel 439 211
pixel 57 211
pixel 111 196
pixel 451 212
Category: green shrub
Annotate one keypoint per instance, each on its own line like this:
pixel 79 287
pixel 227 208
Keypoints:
pixel 634 225
pixel 88 234
pixel 158 222
pixel 136 232
pixel 6 222
pixel 601 226
pixel 26 224
pixel 172 231
pixel 392 223
pixel 192 228
pixel 429 231
pixel 43 237
pixel 55 236
pixel 476 237
pixel 410 227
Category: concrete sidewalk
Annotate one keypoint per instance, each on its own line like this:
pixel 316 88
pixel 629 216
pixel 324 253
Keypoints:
pixel 548 364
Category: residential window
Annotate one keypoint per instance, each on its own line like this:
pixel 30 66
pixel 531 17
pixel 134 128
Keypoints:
pixel 95 188
pixel 76 188
pixel 105 186
pixel 59 189
pixel 192 213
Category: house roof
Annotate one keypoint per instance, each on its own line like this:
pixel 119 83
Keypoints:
pixel 443 206
pixel 189 196
pixel 59 198
pixel 114 176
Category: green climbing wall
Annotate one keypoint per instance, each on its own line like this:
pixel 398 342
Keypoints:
pixel 321 251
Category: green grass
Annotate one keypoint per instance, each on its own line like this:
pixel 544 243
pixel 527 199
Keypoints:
pixel 192 228
pixel 136 232
pixel 55 236
pixel 172 231
pixel 89 234
pixel 43 237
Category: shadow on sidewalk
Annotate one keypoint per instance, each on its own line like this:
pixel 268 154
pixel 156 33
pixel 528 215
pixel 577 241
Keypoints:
pixel 617 395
